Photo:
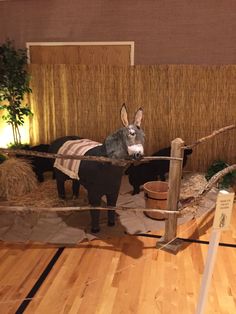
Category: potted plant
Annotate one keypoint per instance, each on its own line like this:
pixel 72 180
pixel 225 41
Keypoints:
pixel 14 84
pixel 227 181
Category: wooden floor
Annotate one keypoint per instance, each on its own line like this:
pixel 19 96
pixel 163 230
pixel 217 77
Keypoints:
pixel 123 275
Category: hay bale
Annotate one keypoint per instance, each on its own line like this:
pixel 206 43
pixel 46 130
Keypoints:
pixel 16 178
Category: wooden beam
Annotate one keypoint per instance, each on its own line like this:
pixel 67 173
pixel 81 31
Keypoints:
pixel 175 174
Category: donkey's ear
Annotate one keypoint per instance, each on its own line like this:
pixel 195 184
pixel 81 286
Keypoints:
pixel 138 117
pixel 124 115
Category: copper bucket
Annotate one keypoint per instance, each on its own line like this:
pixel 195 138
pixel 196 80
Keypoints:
pixel 155 193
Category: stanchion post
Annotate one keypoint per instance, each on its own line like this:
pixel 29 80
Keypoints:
pixel 224 206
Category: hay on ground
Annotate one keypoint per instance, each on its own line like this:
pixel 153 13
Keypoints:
pixel 46 196
pixel 46 193
pixel 192 184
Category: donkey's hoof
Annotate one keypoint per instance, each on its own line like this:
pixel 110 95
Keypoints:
pixel 111 223
pixel 95 230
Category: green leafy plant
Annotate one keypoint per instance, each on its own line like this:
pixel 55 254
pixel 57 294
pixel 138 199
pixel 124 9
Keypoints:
pixel 18 146
pixel 14 84
pixel 228 180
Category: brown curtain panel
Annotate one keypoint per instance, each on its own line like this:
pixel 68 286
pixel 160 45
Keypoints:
pixel 183 101
pixel 118 55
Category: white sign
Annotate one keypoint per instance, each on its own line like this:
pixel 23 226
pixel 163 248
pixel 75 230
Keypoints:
pixel 224 206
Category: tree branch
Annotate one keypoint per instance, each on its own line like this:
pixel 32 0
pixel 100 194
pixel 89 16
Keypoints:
pixel 214 133
pixel 195 201
pixel 118 162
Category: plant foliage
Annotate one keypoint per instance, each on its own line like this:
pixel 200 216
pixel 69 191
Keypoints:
pixel 228 180
pixel 2 158
pixel 14 84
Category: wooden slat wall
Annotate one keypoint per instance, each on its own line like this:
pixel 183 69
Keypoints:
pixel 184 101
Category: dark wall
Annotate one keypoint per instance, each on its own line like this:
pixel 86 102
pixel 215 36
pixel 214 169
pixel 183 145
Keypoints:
pixel 165 32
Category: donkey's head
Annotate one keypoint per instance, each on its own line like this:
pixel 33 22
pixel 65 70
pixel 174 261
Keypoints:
pixel 128 141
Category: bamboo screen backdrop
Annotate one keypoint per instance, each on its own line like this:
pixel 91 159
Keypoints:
pixel 183 101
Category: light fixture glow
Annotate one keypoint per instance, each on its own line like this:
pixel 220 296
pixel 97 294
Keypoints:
pixel 6 136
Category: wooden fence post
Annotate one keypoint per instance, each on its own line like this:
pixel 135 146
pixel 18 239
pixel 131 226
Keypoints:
pixel 175 174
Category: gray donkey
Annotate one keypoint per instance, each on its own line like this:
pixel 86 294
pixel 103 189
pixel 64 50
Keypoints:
pixel 99 178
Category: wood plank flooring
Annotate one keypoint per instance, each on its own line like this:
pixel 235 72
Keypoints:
pixel 120 275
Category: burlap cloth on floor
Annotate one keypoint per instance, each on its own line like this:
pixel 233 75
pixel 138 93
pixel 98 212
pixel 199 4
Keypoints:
pixel 71 227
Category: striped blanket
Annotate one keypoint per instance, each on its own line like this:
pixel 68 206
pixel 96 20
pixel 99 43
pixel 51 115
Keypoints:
pixel 76 147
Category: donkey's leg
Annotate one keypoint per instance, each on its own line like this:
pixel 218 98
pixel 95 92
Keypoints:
pixel 162 177
pixel 111 201
pixel 75 188
pixel 60 179
pixel 61 189
pixel 94 200
pixel 136 189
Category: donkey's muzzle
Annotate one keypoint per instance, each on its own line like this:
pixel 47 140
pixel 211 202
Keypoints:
pixel 135 151
pixel 137 156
